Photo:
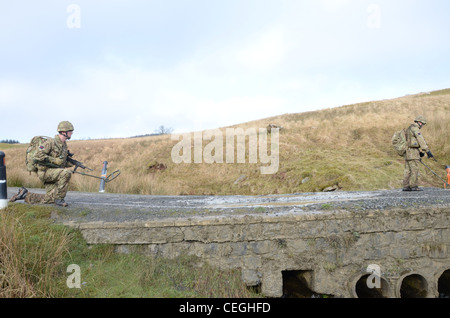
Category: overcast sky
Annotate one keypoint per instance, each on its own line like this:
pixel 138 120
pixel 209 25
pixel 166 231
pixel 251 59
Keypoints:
pixel 121 68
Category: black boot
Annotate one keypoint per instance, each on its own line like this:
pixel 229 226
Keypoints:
pixel 20 195
pixel 61 202
pixel 407 189
pixel 416 189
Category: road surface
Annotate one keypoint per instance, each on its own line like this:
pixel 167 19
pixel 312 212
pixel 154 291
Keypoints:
pixel 110 207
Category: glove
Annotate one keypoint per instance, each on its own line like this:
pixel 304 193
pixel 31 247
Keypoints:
pixel 430 155
pixel 422 154
pixel 57 161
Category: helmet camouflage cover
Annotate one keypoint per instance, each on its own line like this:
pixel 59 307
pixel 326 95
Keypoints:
pixel 65 126
pixel 421 119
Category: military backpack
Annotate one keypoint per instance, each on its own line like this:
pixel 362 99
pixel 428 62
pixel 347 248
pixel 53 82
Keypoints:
pixel 399 142
pixel 35 143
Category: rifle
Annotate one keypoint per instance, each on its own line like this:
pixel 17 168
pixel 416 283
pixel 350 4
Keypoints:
pixel 46 162
pixel 76 163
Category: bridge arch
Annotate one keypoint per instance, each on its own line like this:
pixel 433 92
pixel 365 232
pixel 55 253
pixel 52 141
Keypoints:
pixel 360 289
pixel 412 285
pixel 443 283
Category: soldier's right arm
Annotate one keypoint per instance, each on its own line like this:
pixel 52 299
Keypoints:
pixel 43 154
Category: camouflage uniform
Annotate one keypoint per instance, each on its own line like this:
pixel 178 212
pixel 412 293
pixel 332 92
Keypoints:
pixel 52 161
pixel 416 145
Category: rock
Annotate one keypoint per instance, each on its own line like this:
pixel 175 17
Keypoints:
pixel 154 166
pixel 270 126
pixel 251 277
pixel 331 189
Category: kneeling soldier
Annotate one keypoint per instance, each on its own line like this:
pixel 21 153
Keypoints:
pixel 51 159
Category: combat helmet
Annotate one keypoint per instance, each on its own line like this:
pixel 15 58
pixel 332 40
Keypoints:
pixel 421 119
pixel 65 126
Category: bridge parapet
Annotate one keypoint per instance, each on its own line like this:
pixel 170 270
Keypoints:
pixel 327 252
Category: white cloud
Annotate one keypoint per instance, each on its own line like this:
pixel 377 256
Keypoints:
pixel 121 100
pixel 9 91
pixel 267 51
pixel 333 5
pixel 246 66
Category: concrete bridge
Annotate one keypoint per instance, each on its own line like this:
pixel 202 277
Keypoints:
pixel 341 244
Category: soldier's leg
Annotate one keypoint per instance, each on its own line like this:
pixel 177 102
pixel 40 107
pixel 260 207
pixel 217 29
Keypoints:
pixel 34 198
pixel 414 166
pixel 56 184
pixel 62 185
pixel 37 198
pixel 28 197
pixel 407 175
pixel 50 191
pixel 21 195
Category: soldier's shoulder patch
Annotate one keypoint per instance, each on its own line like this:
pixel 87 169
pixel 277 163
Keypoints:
pixel 419 133
pixel 41 147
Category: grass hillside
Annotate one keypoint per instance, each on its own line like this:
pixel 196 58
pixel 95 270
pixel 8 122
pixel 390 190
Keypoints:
pixel 348 146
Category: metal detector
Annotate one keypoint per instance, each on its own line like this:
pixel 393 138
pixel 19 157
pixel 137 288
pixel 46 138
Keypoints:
pixel 446 184
pixel 107 179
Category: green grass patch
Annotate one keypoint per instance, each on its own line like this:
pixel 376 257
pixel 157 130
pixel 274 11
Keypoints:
pixel 35 254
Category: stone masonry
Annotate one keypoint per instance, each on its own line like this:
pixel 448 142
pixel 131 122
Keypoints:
pixel 333 248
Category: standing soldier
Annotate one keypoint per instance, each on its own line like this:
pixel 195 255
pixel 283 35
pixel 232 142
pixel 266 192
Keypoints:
pixel 51 159
pixel 416 148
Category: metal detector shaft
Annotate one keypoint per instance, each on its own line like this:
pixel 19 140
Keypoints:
pixel 434 173
pixel 107 179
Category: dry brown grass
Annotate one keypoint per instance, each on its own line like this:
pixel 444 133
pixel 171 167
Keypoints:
pixel 349 146
pixel 30 257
